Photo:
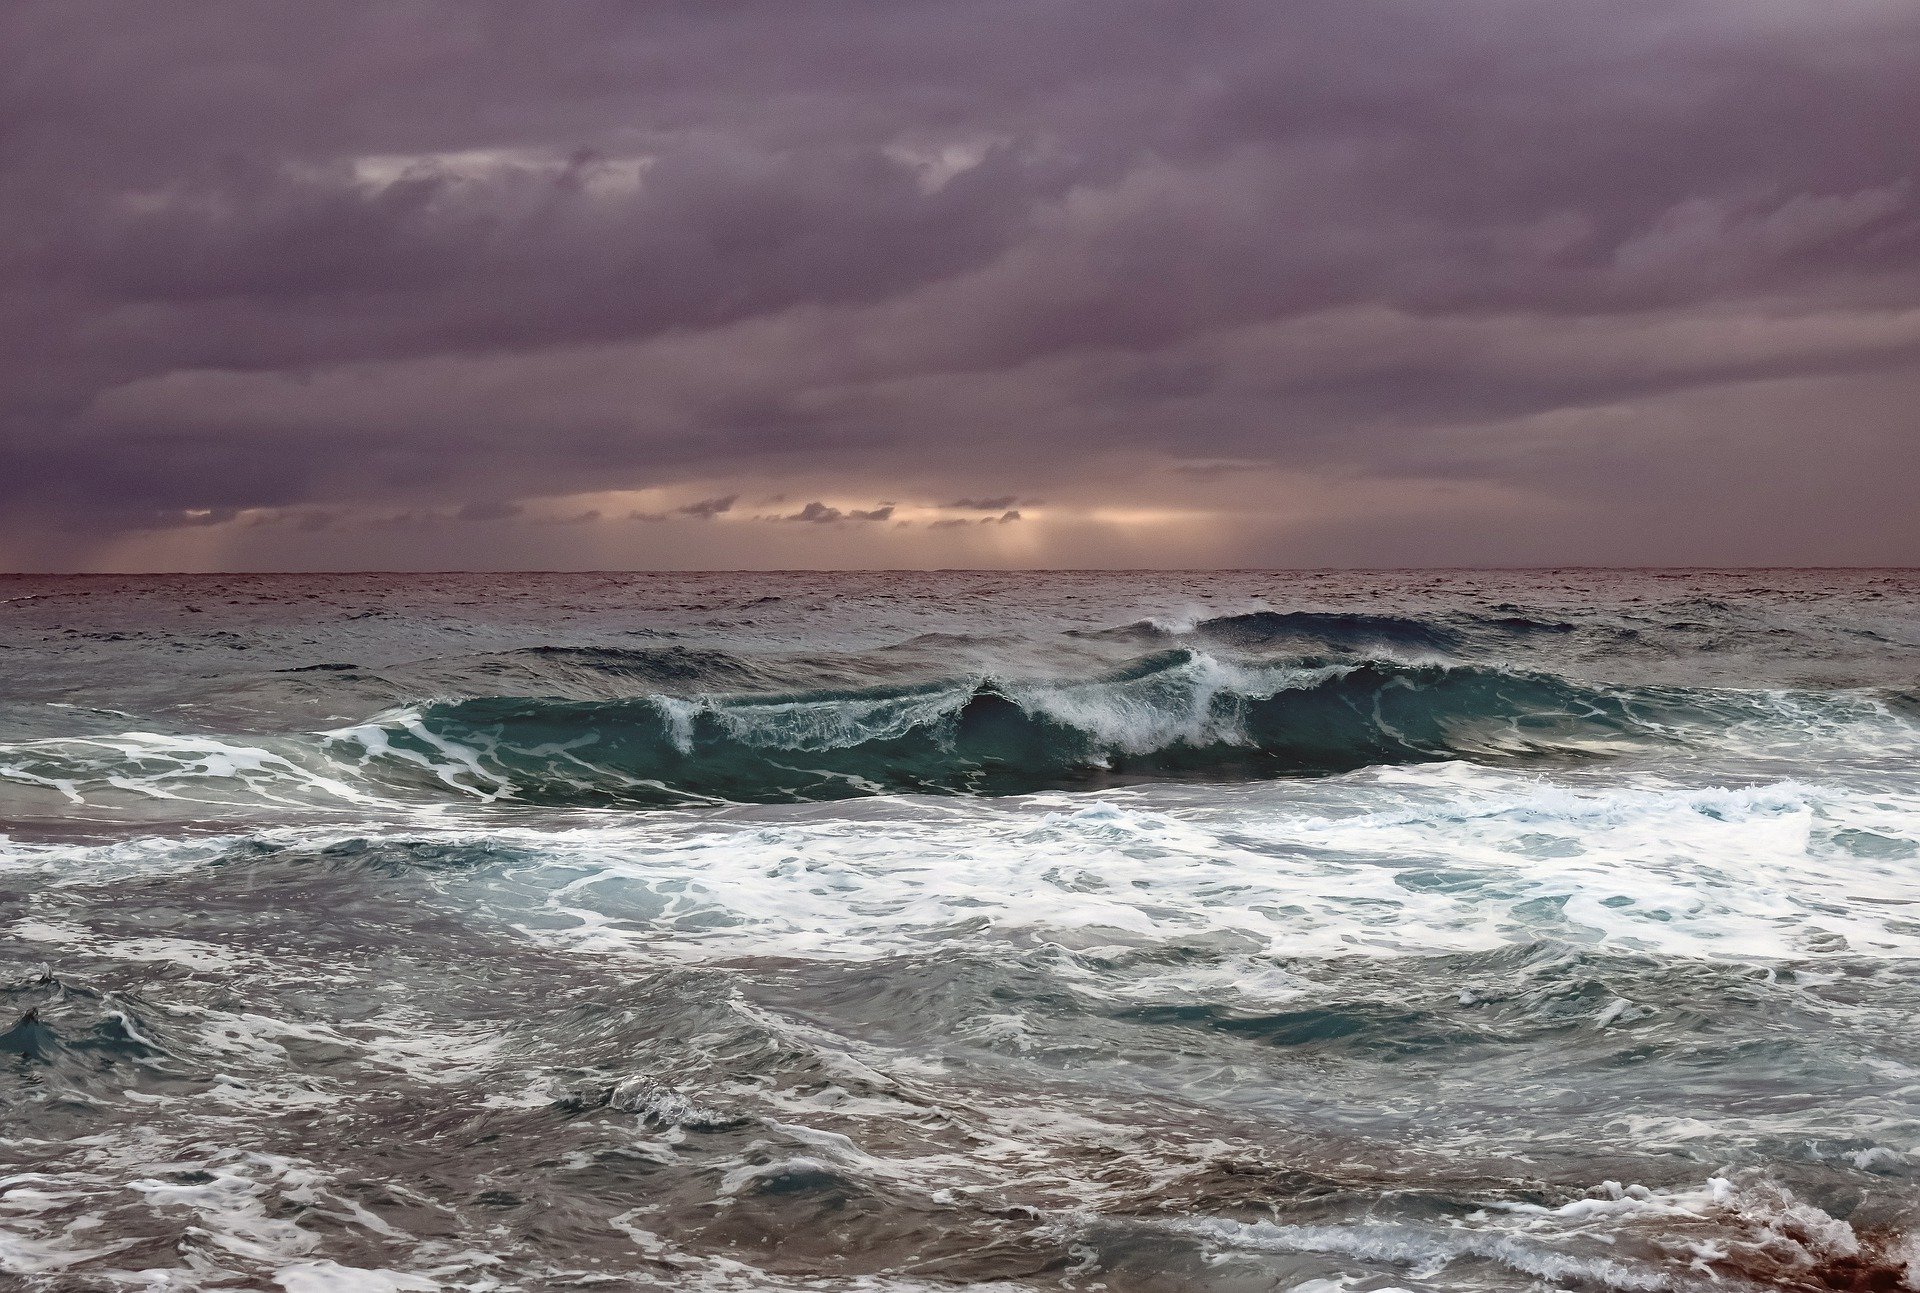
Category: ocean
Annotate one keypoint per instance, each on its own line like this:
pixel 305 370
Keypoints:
pixel 1116 931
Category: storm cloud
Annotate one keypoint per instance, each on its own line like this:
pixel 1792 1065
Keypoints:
pixel 1397 282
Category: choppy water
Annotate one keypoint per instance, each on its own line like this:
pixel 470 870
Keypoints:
pixel 887 932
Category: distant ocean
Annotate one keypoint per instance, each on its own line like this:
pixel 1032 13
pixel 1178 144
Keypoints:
pixel 1104 931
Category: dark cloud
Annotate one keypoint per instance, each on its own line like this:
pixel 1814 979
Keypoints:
pixel 979 504
pixel 817 513
pixel 708 508
pixel 703 510
pixel 957 522
pixel 422 265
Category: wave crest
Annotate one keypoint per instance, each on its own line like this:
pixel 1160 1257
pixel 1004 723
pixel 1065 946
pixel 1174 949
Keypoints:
pixel 1180 713
pixel 1173 714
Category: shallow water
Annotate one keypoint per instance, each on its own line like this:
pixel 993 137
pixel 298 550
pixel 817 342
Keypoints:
pixel 1137 931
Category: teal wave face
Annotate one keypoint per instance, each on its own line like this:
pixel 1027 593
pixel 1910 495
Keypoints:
pixel 1178 714
pixel 1181 714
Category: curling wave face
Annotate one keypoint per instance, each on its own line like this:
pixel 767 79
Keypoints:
pixel 1174 714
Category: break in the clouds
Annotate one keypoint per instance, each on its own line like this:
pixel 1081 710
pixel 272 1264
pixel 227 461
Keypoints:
pixel 1171 283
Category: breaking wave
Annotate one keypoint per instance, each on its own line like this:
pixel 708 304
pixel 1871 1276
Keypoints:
pixel 1177 714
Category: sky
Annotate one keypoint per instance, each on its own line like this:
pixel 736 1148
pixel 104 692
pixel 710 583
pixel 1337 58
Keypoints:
pixel 962 283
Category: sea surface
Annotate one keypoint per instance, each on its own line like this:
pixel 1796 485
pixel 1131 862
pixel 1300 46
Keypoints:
pixel 885 932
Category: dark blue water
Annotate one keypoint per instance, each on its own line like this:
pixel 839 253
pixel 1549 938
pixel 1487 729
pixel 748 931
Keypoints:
pixel 1221 931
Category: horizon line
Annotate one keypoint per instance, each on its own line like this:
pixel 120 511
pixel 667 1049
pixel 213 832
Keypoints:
pixel 954 570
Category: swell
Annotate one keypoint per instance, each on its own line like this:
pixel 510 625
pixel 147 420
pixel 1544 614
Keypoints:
pixel 575 671
pixel 1176 714
pixel 1345 630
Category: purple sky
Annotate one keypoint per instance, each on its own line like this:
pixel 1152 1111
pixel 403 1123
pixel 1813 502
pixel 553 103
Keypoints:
pixel 960 283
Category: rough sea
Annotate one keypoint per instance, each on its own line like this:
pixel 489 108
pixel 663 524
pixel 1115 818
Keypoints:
pixel 886 932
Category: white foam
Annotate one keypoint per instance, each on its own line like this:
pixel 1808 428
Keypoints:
pixel 1386 862
pixel 231 1206
pixel 453 764
pixel 1625 1237
pixel 23 1254
pixel 699 1272
pixel 1426 1252
pixel 837 724
pixel 1456 860
pixel 658 1103
pixel 1200 701
pixel 188 953
pixel 191 768
pixel 86 863
pixel 332 1277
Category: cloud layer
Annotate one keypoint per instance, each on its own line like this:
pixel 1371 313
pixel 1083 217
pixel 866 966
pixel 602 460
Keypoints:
pixel 1434 282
